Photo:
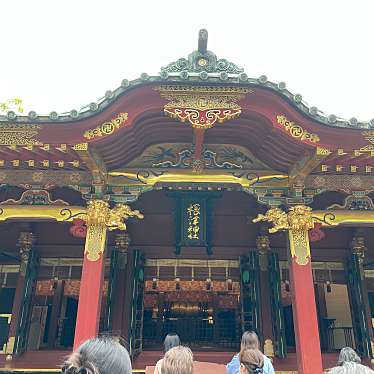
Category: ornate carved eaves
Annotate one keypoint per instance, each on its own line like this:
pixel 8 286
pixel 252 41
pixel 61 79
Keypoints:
pixel 202 106
pixel 44 179
pixel 19 134
pixel 107 128
pixel 34 197
pixel 347 183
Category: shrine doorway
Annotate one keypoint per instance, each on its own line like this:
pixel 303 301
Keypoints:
pixel 203 310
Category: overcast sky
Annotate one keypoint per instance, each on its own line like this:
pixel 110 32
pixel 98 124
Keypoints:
pixel 61 55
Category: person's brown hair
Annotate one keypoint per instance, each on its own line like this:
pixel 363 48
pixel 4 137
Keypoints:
pixel 250 340
pixel 252 360
pixel 177 360
pixel 98 356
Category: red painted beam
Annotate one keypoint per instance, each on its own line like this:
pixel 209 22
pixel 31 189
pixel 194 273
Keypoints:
pixel 90 296
pixel 308 349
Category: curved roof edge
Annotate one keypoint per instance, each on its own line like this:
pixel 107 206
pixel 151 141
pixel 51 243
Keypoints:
pixel 202 66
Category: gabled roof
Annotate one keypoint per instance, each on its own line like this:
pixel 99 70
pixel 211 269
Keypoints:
pixel 201 67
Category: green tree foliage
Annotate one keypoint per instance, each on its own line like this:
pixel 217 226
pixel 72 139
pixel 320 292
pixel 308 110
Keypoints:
pixel 15 104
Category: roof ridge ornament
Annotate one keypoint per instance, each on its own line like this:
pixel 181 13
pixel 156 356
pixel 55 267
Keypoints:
pixel 203 41
pixel 200 62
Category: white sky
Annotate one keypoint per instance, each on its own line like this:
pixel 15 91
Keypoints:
pixel 61 55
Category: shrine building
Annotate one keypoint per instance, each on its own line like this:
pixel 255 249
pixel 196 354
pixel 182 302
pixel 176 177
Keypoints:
pixel 199 201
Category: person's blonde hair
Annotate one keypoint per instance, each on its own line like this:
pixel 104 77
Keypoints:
pixel 250 340
pixel 177 360
pixel 252 360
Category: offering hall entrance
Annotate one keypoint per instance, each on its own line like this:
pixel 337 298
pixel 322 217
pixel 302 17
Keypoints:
pixel 197 299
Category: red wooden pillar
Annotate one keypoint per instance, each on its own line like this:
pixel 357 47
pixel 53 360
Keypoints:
pixel 91 286
pixel 89 305
pixel 308 350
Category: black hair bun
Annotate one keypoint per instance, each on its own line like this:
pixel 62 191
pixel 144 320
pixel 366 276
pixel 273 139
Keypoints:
pixel 71 369
pixel 78 364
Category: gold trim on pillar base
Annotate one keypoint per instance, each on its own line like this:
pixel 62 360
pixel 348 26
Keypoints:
pixel 269 348
pixel 10 345
pixel 298 221
pixel 8 316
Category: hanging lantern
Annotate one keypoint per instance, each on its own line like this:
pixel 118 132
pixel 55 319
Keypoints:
pixel 328 286
pixel 229 284
pixel 177 284
pixel 55 281
pixel 154 313
pixel 329 280
pixel 287 286
pixel 154 284
pixel 208 284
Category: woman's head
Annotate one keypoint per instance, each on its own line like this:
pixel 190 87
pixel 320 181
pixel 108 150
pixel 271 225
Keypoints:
pixel 251 361
pixel 98 356
pixel 250 340
pixel 177 360
pixel 171 340
pixel 347 354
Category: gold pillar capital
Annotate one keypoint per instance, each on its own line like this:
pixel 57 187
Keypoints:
pixel 297 221
pixel 99 218
pixel 97 213
pixel 298 217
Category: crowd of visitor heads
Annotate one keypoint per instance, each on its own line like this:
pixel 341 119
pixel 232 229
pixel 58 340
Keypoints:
pixel 106 355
